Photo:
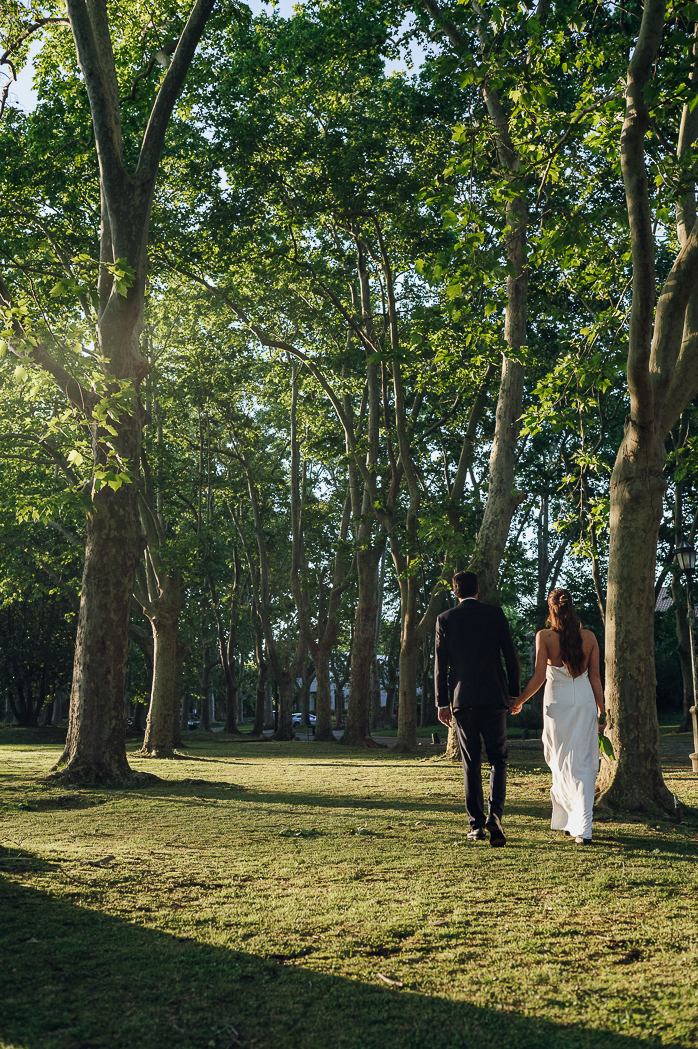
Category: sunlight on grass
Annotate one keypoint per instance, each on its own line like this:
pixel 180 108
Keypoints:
pixel 264 894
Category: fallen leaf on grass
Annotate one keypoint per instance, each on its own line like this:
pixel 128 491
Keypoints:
pixel 386 979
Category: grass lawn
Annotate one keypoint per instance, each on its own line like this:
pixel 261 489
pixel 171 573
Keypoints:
pixel 311 896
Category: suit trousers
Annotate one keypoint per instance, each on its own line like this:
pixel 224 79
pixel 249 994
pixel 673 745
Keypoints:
pixel 491 722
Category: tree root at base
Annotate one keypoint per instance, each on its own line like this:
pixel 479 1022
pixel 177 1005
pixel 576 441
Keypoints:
pixel 82 776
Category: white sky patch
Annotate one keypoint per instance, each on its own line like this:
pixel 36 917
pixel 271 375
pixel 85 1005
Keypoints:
pixel 22 93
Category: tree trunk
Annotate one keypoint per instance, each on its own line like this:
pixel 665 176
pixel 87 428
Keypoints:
pixel 177 699
pixel 356 732
pixel 407 708
pixel 389 702
pixel 376 709
pixel 683 647
pixel 57 710
pixel 205 691
pixel 96 743
pixel 428 712
pixel 307 676
pixel 284 725
pixel 159 733
pixel 634 780
pixel 163 613
pixel 260 711
pixel 502 497
pixel 323 696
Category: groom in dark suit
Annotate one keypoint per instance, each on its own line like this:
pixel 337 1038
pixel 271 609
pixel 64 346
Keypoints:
pixel 470 687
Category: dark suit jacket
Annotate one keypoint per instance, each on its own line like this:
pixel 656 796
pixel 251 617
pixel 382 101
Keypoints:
pixel 470 641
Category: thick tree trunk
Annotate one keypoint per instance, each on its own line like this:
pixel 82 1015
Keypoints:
pixel 231 723
pixel 205 691
pixel 502 497
pixel 269 718
pixel 140 717
pixel 323 699
pixel 376 718
pixel 307 675
pixel 633 782
pixel 428 712
pixel 96 743
pixel 284 725
pixel 57 709
pixel 159 732
pixel 356 732
pixel 407 709
pixel 177 696
pixel 95 748
pixel 260 712
pixel 163 613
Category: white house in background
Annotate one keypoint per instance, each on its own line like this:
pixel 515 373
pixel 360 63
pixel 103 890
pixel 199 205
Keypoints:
pixel 665 601
pixel 313 691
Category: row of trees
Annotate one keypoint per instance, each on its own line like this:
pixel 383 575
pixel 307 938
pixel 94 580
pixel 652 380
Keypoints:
pixel 277 318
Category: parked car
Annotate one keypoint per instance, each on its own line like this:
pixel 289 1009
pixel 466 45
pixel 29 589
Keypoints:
pixel 296 720
pixel 193 721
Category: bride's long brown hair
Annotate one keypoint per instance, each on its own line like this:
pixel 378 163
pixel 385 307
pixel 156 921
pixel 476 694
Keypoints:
pixel 565 622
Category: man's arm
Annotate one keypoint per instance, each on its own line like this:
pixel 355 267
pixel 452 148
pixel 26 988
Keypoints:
pixel 511 659
pixel 441 691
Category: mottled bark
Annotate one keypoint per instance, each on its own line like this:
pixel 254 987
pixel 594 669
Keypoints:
pixel 323 697
pixel 357 730
pixel 96 741
pixel 634 779
pixel 95 746
pixel 160 728
pixel 661 354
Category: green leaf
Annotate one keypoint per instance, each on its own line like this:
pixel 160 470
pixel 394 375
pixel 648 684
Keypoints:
pixel 606 747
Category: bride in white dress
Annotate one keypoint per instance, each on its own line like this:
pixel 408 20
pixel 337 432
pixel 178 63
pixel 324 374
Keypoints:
pixel 567 659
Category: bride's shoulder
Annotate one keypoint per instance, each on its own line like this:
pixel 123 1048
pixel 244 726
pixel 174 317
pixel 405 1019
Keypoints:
pixel 588 636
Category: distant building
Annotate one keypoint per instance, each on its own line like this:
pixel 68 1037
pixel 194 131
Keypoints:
pixel 665 601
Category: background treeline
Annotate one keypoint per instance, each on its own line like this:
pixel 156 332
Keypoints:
pixel 343 246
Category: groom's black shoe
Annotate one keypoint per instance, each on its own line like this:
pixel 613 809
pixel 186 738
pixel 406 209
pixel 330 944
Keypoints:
pixel 477 834
pixel 497 838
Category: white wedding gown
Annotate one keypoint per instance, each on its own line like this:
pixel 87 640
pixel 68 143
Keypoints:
pixel 571 748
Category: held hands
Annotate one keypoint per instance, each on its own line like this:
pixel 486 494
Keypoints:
pixel 514 705
pixel 445 715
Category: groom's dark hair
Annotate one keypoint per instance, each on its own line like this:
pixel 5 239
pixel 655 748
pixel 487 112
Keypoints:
pixel 465 584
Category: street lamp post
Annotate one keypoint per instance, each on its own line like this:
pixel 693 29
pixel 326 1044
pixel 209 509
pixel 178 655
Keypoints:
pixel 686 557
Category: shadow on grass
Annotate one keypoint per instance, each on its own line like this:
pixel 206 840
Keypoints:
pixel 78 979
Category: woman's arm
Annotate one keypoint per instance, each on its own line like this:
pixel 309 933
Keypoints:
pixel 539 672
pixel 595 676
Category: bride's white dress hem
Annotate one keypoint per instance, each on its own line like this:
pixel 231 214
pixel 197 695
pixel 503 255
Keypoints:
pixel 571 748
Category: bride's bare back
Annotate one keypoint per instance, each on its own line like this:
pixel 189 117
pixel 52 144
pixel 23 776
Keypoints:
pixel 548 653
pixel 551 640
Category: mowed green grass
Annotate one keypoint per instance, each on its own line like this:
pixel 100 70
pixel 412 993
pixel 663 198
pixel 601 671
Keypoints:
pixel 262 894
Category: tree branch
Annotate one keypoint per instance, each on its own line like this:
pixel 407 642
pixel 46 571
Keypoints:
pixel 170 89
